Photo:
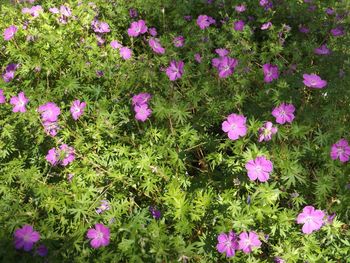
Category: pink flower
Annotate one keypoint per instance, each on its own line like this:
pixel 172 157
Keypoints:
pixel 34 11
pixel 64 155
pixel 142 112
pixel 2 97
pixel 140 99
pixel 259 168
pixel 77 109
pixel 175 70
pixel 42 251
pixel 227 66
pixel 100 236
pixel 137 28
pixel 284 113
pixel 338 31
pixel 152 31
pixel 341 150
pixel 179 41
pixel 26 237
pixel 49 112
pixel 19 103
pixel 100 27
pixel 238 25
pixel 266 26
pixel 222 52
pixel 10 72
pixel 248 241
pixel 314 81
pixel 52 156
pixel 125 53
pixel 266 131
pixel 156 46
pixel 115 44
pixel 270 72
pixel 311 218
pixel 227 243
pixel 240 8
pixel 198 57
pixel 10 32
pixel 51 128
pixel 322 50
pixel 235 126
pixel 204 21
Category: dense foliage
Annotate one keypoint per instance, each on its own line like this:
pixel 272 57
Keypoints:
pixel 166 175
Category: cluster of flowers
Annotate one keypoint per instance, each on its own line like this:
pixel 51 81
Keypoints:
pixel 140 103
pixel 25 238
pixel 63 155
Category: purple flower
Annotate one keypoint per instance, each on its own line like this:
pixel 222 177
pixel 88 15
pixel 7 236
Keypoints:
pixel 2 97
pixel 64 155
pixel 235 126
pixel 70 177
pixel 65 11
pixel 100 27
pixel 133 13
pixel 125 53
pixel 266 26
pixel 104 206
pixel 322 50
pixel 279 260
pixel 115 44
pixel 156 214
pixel 311 218
pixel 204 21
pixel 54 10
pixel 338 31
pixel 51 128
pixel 240 8
pixel 227 243
pixel 137 28
pixel 188 18
pixel 49 112
pixel 9 73
pixel 341 150
pixel 152 31
pixel 142 112
pixel 222 52
pixel 259 168
pixel 175 70
pixel 284 113
pixel 314 81
pixel 34 11
pixel 198 57
pixel 304 29
pixel 179 41
pixel 77 109
pixel 10 32
pixel 270 72
pixel 330 11
pixel 140 99
pixel 266 131
pixel 100 236
pixel 19 102
pixel 227 66
pixel 26 237
pixel 156 46
pixel 239 25
pixel 42 251
pixel 248 241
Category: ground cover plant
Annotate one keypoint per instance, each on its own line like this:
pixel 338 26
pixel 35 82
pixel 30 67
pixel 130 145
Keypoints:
pixel 175 131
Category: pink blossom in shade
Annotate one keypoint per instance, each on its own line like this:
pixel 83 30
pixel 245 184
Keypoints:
pixel 311 218
pixel 42 251
pixel 227 66
pixel 235 126
pixel 330 11
pixel 100 40
pixel 222 52
pixel 25 238
pixel 77 109
pixel 19 102
pixel 9 73
pixel 115 44
pixel 238 25
pixel 100 27
pixel 266 131
pixel 284 113
pixel 266 26
pixel 240 8
pixel 10 32
pixel 322 50
pixel 140 99
pixel 175 70
pixel 152 31
pixel 270 72
pixel 104 206
pixel 49 112
pixel 304 29
pixel 179 41
pixel 100 236
pixel 137 28
pixel 67 154
pixel 51 128
pixel 204 21
pixel 125 53
pixel 259 168
pixel 142 112
pixel 156 46
pixel 2 97
pixel 338 31
pixel 248 241
pixel 314 81
pixel 341 150
pixel 198 57
pixel 227 244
